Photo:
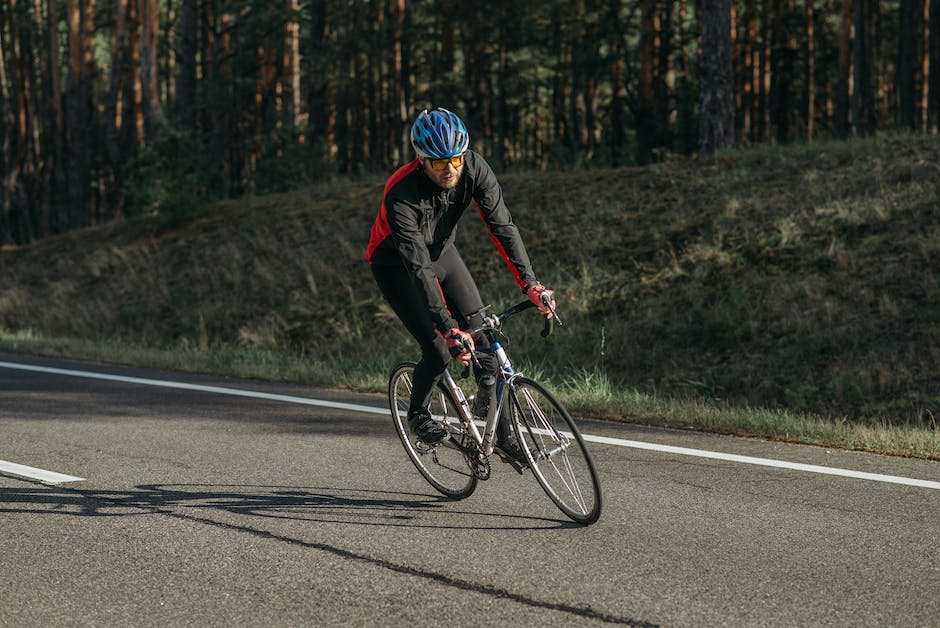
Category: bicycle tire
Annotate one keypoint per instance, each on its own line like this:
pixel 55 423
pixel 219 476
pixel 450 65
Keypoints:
pixel 444 465
pixel 555 450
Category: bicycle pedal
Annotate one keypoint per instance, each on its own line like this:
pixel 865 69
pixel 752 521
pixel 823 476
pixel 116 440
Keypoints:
pixel 422 447
pixel 515 464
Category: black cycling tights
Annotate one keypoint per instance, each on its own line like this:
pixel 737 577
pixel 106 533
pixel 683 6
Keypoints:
pixel 464 302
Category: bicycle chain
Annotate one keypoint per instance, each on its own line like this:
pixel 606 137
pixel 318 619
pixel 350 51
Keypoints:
pixel 481 467
pixel 478 462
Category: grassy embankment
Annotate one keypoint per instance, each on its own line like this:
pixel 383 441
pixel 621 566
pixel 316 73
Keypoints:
pixel 787 292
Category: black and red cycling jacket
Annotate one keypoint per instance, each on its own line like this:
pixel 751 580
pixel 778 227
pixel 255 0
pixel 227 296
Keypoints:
pixel 418 220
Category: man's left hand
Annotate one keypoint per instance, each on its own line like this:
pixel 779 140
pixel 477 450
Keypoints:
pixel 535 292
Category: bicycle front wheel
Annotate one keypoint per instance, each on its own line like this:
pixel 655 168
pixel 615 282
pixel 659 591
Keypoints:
pixel 445 465
pixel 555 450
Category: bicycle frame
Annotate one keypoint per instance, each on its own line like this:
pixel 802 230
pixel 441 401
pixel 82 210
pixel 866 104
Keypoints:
pixel 543 432
pixel 506 372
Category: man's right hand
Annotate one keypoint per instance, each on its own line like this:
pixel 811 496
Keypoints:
pixel 457 343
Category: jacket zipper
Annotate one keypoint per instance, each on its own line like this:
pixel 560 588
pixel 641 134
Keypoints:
pixel 430 215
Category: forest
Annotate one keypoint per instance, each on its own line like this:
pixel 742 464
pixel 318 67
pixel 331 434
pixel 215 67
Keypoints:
pixel 116 108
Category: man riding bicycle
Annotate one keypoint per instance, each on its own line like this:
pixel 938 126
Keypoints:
pixel 419 270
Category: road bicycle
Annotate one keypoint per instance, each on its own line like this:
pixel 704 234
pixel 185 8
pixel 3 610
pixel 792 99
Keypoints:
pixel 553 447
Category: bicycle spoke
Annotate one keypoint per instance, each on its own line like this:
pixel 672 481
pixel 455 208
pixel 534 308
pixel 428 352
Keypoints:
pixel 560 461
pixel 550 455
pixel 444 465
pixel 567 475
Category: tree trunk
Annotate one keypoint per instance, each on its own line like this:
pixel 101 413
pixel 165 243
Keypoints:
pixel 905 75
pixel 7 121
pixel 933 99
pixel 845 72
pixel 716 98
pixel 863 94
pixel 90 212
pixel 267 104
pixel 57 123
pixel 810 71
pixel 136 114
pixel 618 88
pixel 321 88
pixel 446 59
pixel 505 149
pixel 114 112
pixel 767 72
pixel 646 105
pixel 39 156
pixel 167 57
pixel 342 132
pixel 360 142
pixel 186 81
pixel 400 78
pixel 479 52
pixel 782 66
pixel 149 16
pixel 18 175
pixel 749 74
pixel 217 76
pixel 479 89
pixel 664 57
pixel 77 114
pixel 561 127
pixel 290 76
pixel 925 67
pixel 686 101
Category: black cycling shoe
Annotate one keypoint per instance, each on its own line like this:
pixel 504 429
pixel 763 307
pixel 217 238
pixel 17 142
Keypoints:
pixel 426 428
pixel 512 452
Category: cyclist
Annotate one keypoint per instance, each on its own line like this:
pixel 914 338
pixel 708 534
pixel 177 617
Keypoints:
pixel 419 270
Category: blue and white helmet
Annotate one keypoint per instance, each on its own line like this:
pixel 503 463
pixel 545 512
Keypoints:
pixel 439 134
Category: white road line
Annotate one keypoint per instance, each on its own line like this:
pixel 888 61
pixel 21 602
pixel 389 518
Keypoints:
pixel 618 442
pixel 196 387
pixel 764 462
pixel 49 477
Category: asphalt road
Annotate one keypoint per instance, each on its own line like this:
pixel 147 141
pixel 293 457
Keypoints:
pixel 207 509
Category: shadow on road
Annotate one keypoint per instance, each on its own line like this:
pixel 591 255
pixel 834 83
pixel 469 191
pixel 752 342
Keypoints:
pixel 348 506
pixel 215 506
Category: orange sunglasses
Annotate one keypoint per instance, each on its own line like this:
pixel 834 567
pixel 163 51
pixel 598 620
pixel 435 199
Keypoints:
pixel 441 164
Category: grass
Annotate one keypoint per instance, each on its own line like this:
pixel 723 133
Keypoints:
pixel 588 394
pixel 782 292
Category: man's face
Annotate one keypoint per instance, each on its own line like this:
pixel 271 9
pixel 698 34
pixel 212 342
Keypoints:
pixel 447 176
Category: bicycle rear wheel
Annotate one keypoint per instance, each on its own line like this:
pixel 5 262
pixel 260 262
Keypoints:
pixel 555 450
pixel 443 465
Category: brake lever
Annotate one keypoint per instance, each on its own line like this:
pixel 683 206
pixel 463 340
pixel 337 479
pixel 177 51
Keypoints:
pixel 546 299
pixel 473 356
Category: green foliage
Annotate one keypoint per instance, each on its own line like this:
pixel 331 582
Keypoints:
pixel 798 278
pixel 168 177
pixel 292 159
